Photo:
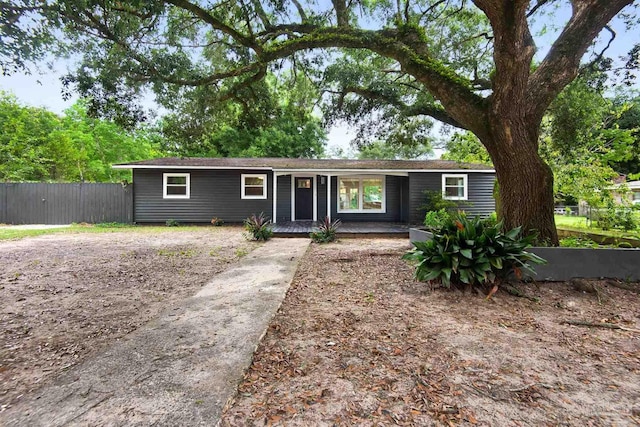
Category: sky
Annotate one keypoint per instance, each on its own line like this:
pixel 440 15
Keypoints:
pixel 44 90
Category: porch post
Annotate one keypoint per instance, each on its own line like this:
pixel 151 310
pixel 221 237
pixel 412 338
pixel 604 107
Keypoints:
pixel 275 197
pixel 293 199
pixel 329 196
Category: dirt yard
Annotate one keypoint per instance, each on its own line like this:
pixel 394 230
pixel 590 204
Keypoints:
pixel 358 342
pixel 66 296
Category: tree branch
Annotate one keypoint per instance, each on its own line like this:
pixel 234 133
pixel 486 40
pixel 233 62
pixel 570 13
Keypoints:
pixel 153 70
pixel 431 8
pixel 233 91
pixel 261 13
pixel 217 24
pixel 406 11
pixel 407 110
pixel 342 13
pixel 611 39
pixel 537 6
pixel 561 64
pixel 513 45
pixel 301 12
pixel 407 48
pixel 286 29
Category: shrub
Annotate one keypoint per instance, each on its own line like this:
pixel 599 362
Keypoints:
pixel 433 201
pixel 626 219
pixel 492 219
pixel 616 218
pixel 326 231
pixel 216 221
pixel 172 223
pixel 472 252
pixel 435 220
pixel 578 242
pixel 258 227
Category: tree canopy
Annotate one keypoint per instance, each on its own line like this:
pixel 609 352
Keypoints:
pixel 275 118
pixel 468 64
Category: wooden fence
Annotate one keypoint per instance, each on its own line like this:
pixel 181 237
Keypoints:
pixel 43 203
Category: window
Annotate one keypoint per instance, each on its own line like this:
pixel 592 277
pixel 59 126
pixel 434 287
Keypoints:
pixel 176 185
pixel 636 197
pixel 254 186
pixel 454 187
pixel 361 194
pixel 304 183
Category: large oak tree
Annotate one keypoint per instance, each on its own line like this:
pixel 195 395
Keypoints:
pixel 174 45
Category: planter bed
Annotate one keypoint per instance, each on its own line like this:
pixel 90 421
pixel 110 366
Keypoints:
pixel 566 263
pixel 599 238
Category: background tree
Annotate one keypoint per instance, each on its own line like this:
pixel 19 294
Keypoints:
pixel 465 147
pixel 495 93
pixel 384 150
pixel 583 141
pixel 627 106
pixel 24 135
pixel 38 145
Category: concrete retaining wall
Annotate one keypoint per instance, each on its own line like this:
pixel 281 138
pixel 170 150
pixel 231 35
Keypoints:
pixel 417 235
pixel 566 263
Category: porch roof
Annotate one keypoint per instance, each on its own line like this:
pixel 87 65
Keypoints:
pixel 300 165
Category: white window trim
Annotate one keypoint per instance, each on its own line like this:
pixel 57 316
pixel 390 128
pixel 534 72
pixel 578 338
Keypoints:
pixel 176 196
pixel 253 175
pixel 465 183
pixel 361 194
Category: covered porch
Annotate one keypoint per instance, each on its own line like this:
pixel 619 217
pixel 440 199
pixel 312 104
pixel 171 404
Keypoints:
pixel 346 229
pixel 353 196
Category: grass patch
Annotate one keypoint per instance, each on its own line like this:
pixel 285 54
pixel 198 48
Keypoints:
pixel 10 233
pixel 184 253
pixel 572 221
pixel 580 224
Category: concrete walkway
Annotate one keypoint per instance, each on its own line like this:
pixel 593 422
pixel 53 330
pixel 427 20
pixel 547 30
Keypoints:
pixel 181 368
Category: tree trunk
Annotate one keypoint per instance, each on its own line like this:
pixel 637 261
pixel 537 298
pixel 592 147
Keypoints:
pixel 525 180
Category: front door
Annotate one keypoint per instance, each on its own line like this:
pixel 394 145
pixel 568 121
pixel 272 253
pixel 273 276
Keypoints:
pixel 304 198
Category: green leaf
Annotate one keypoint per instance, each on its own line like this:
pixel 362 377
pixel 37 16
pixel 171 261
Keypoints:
pixel 513 234
pixel 496 262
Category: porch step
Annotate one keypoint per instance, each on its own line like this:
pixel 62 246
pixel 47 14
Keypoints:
pixel 346 229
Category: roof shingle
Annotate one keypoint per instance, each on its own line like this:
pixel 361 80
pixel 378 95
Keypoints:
pixel 312 164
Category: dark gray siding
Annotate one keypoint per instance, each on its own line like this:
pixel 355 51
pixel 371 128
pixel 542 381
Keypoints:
pixel 57 203
pixel 322 197
pixel 480 193
pixel 284 198
pixel 214 193
pixel 393 193
pixel 481 201
pixel 404 199
pixel 3 204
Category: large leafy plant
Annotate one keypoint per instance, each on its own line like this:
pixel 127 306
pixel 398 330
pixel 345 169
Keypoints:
pixel 326 231
pixel 258 227
pixel 472 252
